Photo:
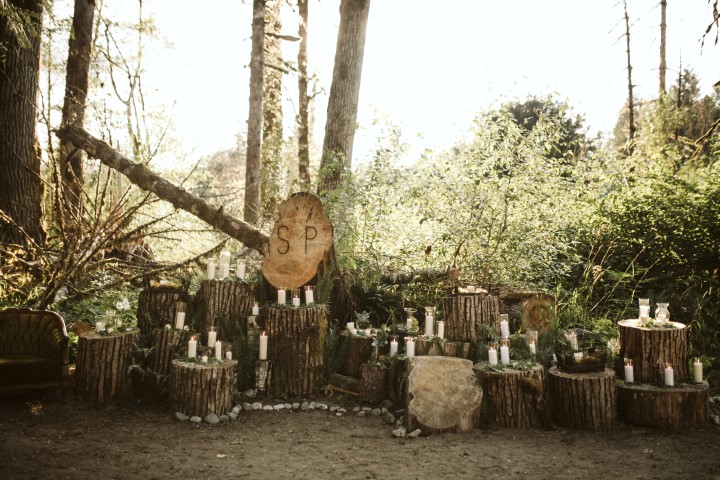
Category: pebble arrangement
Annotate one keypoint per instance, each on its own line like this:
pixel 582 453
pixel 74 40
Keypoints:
pixel 390 418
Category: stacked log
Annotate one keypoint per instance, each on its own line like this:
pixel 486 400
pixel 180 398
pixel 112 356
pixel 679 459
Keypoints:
pixel 466 314
pixel 357 354
pixel 651 349
pixel 679 407
pixel 373 385
pixel 218 300
pixel 201 389
pixel 585 401
pixel 296 347
pixel 157 307
pixel 166 344
pixel 102 364
pixel 515 397
pixel 445 348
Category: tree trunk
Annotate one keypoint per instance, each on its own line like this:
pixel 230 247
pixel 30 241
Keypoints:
pixel 158 306
pixel 272 128
pixel 102 364
pixel 201 389
pixel 468 317
pixel 373 386
pixel 663 43
pixel 177 196
pixel 358 353
pixel 631 102
pixel 296 347
pixel 344 93
pixel 651 349
pixel 21 187
pixel 345 384
pixel 166 344
pixel 515 397
pixel 585 401
pixel 680 407
pixel 221 304
pixel 303 121
pixel 76 89
pixel 254 136
pixel 443 348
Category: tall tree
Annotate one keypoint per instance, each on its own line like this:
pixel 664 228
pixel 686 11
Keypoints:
pixel 303 121
pixel 251 212
pixel 631 102
pixel 76 89
pixel 272 128
pixel 344 93
pixel 21 188
pixel 663 42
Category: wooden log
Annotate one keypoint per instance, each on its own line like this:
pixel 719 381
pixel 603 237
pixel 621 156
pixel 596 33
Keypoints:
pixel 200 389
pixel 445 348
pixel 466 314
pixel 651 349
pixel 296 346
pixel 528 309
pixel 157 307
pixel 102 364
pixel 263 376
pixel 515 397
pixel 345 383
pixel 166 344
pixel 357 354
pixel 682 406
pixel 373 385
pixel 220 301
pixel 585 401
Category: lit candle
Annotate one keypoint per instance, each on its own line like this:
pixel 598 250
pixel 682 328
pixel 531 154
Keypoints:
pixel 470 289
pixel 393 347
pixel 180 320
pixel 441 329
pixel 697 371
pixel 429 321
pixel 410 347
pixel 211 269
pixel 224 265
pixel 240 270
pixel 204 359
pixel 350 326
pixel 218 350
pixel 492 355
pixel 212 336
pixel 644 309
pixel 281 296
pixel 629 377
pixel 256 309
pixel 192 347
pixel 296 297
pixel 669 375
pixel 228 354
pixel 532 347
pixel 505 354
pixel 99 326
pixel 263 346
pixel 572 338
pixel 309 294
pixel 504 326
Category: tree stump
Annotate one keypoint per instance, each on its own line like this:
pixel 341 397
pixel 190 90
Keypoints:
pixel 530 309
pixel 200 389
pixel 166 344
pixel 345 384
pixel 373 383
pixel 296 347
pixel 678 407
pixel 651 349
pixel 102 365
pixel 443 348
pixel 220 301
pixel 466 314
pixel 585 401
pixel 158 306
pixel 357 354
pixel 515 397
pixel 263 376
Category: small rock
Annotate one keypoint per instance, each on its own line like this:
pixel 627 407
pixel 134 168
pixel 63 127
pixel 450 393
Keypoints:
pixel 399 433
pixel 257 406
pixel 224 418
pixel 341 410
pixel 288 406
pixel 322 406
pixel 376 412
pixel 246 406
pixel 312 406
pixel 268 408
pixel 356 409
pixel 367 409
pixel 212 419
pixel 361 413
pixel 414 434
pixel 389 418
pixel 195 419
pixel 338 414
pixel 233 416
pixel 279 406
pixel 296 405
pixel 384 410
pixel 334 409
pixel 304 406
pixel 236 409
pixel 387 403
pixel 181 416
pixel 251 393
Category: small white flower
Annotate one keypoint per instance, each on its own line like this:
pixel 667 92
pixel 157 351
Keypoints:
pixel 186 328
pixel 123 304
pixel 110 330
pixel 167 326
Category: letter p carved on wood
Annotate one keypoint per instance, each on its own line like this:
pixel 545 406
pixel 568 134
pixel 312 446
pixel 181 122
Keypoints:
pixel 308 228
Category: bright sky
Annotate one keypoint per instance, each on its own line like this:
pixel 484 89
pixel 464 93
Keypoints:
pixel 431 65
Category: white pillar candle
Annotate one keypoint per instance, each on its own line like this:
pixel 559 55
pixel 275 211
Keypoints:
pixel 263 346
pixel 240 270
pixel 532 347
pixel 256 309
pixel 629 377
pixel 224 265
pixel 441 329
pixel 228 354
pixel 211 269
pixel 192 348
pixel 504 329
pixel 572 339
pixel 204 359
pixel 99 326
pixel 281 297
pixel 669 376
pixel 218 350
pixel 492 356
pixel 350 326
pixel 505 355
pixel 212 336
pixel 470 289
pixel 409 323
pixel 309 294
pixel 180 320
pixel 353 331
pixel 410 347
pixel 697 371
pixel 296 301
pixel 393 347
pixel 429 324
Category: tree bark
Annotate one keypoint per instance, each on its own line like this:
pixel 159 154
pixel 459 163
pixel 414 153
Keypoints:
pixel 651 349
pixel 631 101
pixel 358 353
pixel 303 121
pixel 585 401
pixel 177 196
pixel 166 343
pixel 21 187
pixel 465 316
pixel 76 89
pixel 515 396
pixel 201 389
pixel 344 94
pixel 680 407
pixel 272 128
pixel 663 44
pixel 219 301
pixel 158 306
pixel 102 364
pixel 373 386
pixel 253 164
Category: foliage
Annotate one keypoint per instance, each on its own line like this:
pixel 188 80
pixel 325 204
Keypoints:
pixel 122 302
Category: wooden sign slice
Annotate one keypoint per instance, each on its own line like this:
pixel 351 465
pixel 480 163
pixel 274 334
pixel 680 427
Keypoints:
pixel 300 239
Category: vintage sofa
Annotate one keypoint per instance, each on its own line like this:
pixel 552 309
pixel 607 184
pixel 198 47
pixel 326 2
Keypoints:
pixel 33 349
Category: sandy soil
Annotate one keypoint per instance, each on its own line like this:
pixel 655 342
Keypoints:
pixel 44 438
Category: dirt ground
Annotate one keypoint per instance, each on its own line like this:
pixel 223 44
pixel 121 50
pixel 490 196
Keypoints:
pixel 48 437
